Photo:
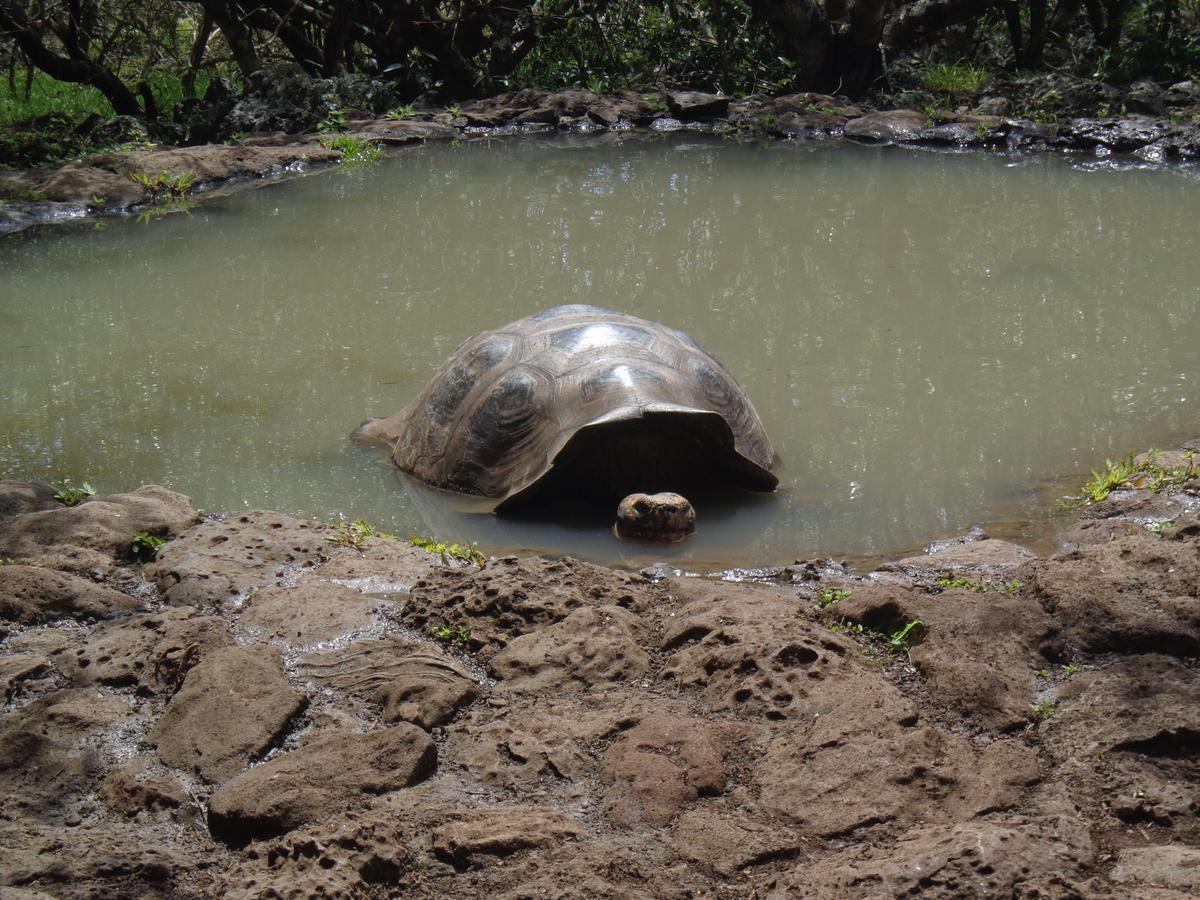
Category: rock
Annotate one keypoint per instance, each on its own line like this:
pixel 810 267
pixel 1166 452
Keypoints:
pixel 20 497
pixel 1122 134
pixel 589 648
pixel 501 832
pixel 806 126
pixel 233 706
pixel 988 557
pixel 509 597
pixel 837 777
pixel 320 780
pixel 383 566
pixel 654 769
pixel 217 561
pixel 29 594
pixel 307 613
pixel 687 105
pixel 979 649
pixel 152 651
pixel 727 843
pixel 132 789
pixel 413 682
pixel 1169 866
pixel 51 753
pixel 891 127
pixel 1137 593
pixel 345 858
pixel 19 671
pixel 91 537
pixel 1042 857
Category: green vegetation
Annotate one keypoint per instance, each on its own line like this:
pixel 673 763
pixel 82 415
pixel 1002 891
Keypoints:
pixel 1070 669
pixel 1043 709
pixel 8 562
pixel 145 546
pixel 901 640
pixel 354 534
pixel 165 186
pixel 355 151
pixel 334 122
pixel 454 110
pixel 458 637
pixel 405 111
pixel 467 553
pixel 1145 475
pixel 957 583
pixel 954 83
pixel 70 495
pixel 828 596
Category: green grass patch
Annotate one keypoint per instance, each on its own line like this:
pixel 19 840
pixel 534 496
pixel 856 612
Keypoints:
pixel 467 553
pixel 954 83
pixel 458 637
pixel 953 583
pixel 1125 473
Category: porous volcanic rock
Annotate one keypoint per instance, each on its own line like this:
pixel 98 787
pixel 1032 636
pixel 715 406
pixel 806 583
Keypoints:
pixel 19 497
pixel 413 682
pixel 731 840
pixel 590 648
pixel 886 127
pixel 31 594
pixel 20 672
pixel 1137 593
pixel 91 537
pixel 149 651
pixel 1171 866
pixel 134 788
pixel 233 706
pixel 696 104
pixel 320 780
pixel 51 753
pixel 343 858
pixel 307 613
pixel 217 561
pixel 989 557
pixel 509 597
pixel 501 832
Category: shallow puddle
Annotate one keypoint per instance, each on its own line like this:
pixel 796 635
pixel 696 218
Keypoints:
pixel 925 336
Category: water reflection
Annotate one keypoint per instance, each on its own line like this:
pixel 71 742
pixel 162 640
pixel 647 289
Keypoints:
pixel 922 335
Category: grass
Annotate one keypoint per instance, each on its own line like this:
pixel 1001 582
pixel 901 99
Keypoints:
pixel 458 637
pixel 407 111
pixel 354 534
pixel 354 150
pixel 165 186
pixel 1070 669
pixel 145 546
pixel 70 495
pixel 467 553
pixel 954 83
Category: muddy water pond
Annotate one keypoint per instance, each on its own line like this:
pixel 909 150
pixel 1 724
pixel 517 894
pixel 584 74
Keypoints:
pixel 926 337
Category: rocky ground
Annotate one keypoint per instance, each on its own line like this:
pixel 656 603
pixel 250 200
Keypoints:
pixel 283 708
pixel 1152 126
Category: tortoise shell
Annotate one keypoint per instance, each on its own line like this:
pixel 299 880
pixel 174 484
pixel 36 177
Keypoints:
pixel 513 405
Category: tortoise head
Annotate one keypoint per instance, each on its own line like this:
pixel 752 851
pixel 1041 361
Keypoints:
pixel 665 517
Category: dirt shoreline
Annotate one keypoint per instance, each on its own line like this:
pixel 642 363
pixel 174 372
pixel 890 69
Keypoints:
pixel 276 707
pixel 101 185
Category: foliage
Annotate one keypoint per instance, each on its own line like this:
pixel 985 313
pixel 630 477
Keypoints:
pixel 145 546
pixel 958 583
pixel 1070 669
pixel 6 561
pixel 901 640
pixel 1145 475
pixel 1043 709
pixel 1161 39
pixel 70 495
pixel 165 186
pixel 467 553
pixel 828 596
pixel 354 534
pixel 355 151
pixel 954 83
pixel 458 637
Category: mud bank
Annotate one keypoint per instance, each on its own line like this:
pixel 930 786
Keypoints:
pixel 276 707
pixel 106 184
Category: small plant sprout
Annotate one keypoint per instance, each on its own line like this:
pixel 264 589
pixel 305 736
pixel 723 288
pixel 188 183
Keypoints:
pixel 145 546
pixel 354 534
pixel 334 122
pixel 454 109
pixel 165 186
pixel 402 112
pixel 1043 673
pixel 467 553
pixel 828 596
pixel 901 640
pixel 70 495
pixel 1043 709
pixel 1070 669
pixel 7 562
pixel 354 150
pixel 458 637
pixel 955 583
pixel 845 626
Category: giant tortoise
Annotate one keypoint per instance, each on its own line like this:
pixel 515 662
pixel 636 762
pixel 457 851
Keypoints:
pixel 581 400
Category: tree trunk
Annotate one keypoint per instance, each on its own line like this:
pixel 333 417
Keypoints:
pixel 196 57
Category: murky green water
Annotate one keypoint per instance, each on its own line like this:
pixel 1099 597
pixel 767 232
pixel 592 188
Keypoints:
pixel 924 336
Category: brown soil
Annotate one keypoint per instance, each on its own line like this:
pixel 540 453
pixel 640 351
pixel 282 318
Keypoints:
pixel 264 712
